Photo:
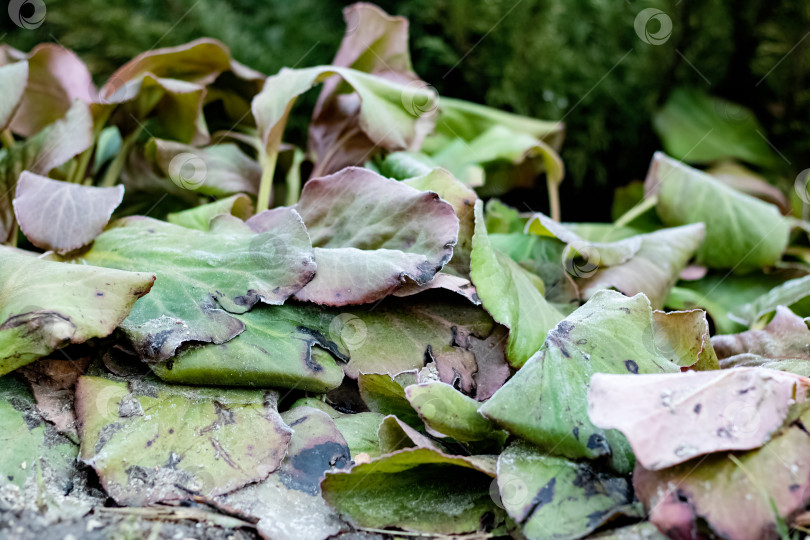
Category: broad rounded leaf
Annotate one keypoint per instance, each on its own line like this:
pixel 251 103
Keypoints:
pixel 60 216
pixel 200 217
pixel 509 295
pixel 546 401
pixel 45 305
pixel 449 412
pixel 742 232
pixel 13 79
pixel 370 234
pixel 203 275
pixel 151 442
pixel 552 497
pixel 671 418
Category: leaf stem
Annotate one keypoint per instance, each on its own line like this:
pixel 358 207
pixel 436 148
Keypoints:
pixel 78 173
pixel 553 197
pixel 640 207
pixel 266 185
pixel 294 178
pixel 7 138
pixel 117 164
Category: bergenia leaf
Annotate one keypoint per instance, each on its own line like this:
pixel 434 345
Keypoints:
pixel 13 80
pixel 792 293
pixel 769 486
pixel 380 493
pixel 56 78
pixel 288 504
pixel 203 275
pixel 200 217
pixel 742 232
pixel 61 216
pixel 747 181
pixel 783 344
pixel 695 127
pixel 392 115
pixel 218 170
pixel 39 314
pixel 375 43
pixel 552 497
pixel 37 460
pixel 671 418
pixel 370 234
pixel 509 295
pixel 449 412
pixel 151 442
pixel 545 402
pixel 683 338
pixel 653 269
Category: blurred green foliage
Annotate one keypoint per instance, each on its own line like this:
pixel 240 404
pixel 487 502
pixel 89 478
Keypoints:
pixel 580 61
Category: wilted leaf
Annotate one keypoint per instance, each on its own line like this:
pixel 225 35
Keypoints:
pixel 13 79
pixel 653 269
pixel 200 217
pixel 454 495
pixel 449 412
pixel 52 382
pixel 32 449
pixel 45 305
pixel 683 338
pixel 56 78
pixel 49 148
pixel 509 295
pixel 671 418
pixel 732 495
pixel 742 232
pixel 281 347
pixel 546 401
pixel 785 338
pixel 217 170
pixel 552 497
pixel 370 234
pixel 60 216
pixel 392 115
pixel 151 442
pixel 374 43
pixel 288 503
pixel 792 293
pixel 203 275
pixel 701 128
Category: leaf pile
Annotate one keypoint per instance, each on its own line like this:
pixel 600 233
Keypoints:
pixel 193 329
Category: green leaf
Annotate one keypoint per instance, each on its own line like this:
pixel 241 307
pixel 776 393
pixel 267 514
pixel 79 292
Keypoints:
pixel 151 442
pixel 33 449
pixel 385 394
pixel 454 495
pixel 288 504
pixel 510 296
pixel 699 128
pixel 449 412
pixel 545 402
pixel 372 234
pixel 742 232
pixel 40 313
pixel 552 497
pixel 60 216
pixel 281 347
pixel 200 217
pixel 792 293
pixel 203 275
